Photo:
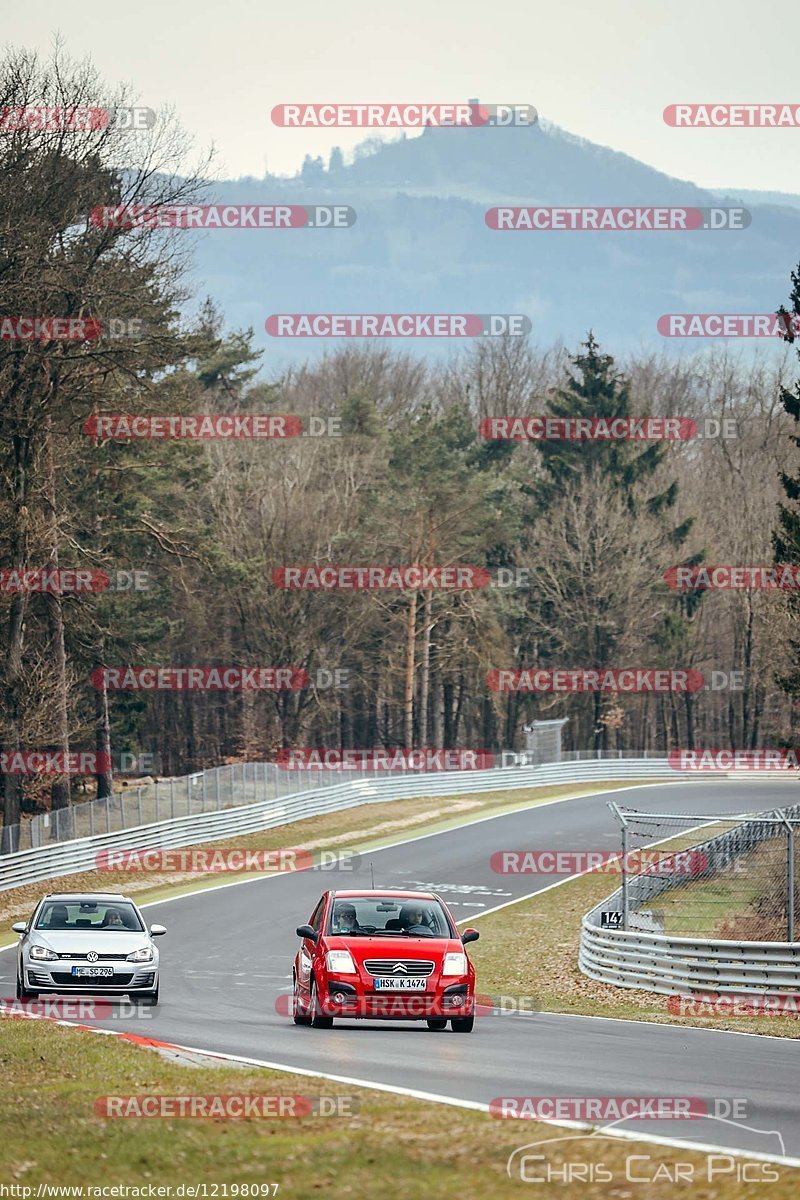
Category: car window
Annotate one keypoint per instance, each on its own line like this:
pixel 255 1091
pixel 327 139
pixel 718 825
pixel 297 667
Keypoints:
pixel 93 915
pixel 389 916
pixel 316 916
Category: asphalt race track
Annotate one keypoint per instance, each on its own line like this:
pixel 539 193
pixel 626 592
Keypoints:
pixel 226 964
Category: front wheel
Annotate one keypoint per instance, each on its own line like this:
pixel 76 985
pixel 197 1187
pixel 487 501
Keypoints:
pixel 463 1024
pixel 318 1020
pixel 22 993
pixel 148 1000
pixel 298 1016
pixel 437 1022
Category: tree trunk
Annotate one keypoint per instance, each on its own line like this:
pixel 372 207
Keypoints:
pixel 688 704
pixel 102 727
pixel 748 671
pixel 60 789
pixel 408 692
pixel 448 709
pixel 425 667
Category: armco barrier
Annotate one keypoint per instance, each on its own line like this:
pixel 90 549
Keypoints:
pixel 688 966
pixel 66 858
pixel 656 962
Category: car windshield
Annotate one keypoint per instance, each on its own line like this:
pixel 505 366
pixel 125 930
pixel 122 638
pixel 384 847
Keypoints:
pixel 89 915
pixel 392 916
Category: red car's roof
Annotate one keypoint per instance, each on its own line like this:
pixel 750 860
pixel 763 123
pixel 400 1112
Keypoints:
pixel 389 893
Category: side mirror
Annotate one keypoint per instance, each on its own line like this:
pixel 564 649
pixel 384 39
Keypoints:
pixel 19 927
pixel 469 935
pixel 306 931
pixel 157 930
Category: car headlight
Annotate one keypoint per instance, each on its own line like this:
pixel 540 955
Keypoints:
pixel 42 952
pixel 143 955
pixel 341 962
pixel 455 963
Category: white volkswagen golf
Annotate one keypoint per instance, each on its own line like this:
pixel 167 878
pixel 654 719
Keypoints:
pixel 91 943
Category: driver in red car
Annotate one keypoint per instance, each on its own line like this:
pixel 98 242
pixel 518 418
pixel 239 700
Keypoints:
pixel 344 919
pixel 412 919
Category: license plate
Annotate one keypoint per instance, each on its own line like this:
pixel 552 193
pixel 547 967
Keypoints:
pixel 384 983
pixel 94 972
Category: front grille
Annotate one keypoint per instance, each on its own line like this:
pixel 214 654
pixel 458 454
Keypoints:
pixel 81 954
pixel 386 966
pixel 63 977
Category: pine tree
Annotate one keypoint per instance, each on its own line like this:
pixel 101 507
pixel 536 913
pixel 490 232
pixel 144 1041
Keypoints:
pixel 786 539
pixel 624 472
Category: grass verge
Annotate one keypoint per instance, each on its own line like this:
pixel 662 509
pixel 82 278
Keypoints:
pixel 403 1147
pixel 531 948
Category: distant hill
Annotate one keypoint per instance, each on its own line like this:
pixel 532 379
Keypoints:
pixel 779 199
pixel 420 243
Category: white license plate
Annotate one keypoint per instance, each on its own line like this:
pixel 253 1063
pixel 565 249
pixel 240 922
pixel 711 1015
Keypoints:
pixel 384 982
pixel 94 972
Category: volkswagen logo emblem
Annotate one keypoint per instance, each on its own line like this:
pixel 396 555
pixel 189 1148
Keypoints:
pixel 92 956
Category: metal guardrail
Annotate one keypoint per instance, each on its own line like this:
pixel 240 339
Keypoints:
pixel 669 965
pixel 688 966
pixel 70 857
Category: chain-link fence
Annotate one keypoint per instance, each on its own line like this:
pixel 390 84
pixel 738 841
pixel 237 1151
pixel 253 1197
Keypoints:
pixel 205 791
pixel 718 876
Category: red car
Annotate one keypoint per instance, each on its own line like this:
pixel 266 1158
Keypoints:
pixel 383 955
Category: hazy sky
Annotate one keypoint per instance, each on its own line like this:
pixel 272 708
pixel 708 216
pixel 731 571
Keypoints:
pixel 604 70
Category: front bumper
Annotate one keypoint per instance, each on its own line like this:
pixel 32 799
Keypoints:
pixel 57 977
pixel 344 998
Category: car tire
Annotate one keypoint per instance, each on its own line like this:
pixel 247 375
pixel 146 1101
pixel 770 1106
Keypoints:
pixel 463 1024
pixel 23 993
pixel 318 1020
pixel 299 1018
pixel 148 999
pixel 437 1023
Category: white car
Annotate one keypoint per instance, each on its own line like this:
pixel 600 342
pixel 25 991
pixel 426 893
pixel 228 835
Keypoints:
pixel 88 942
